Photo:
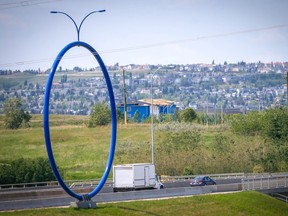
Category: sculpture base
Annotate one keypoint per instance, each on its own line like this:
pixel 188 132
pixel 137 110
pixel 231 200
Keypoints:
pixel 86 204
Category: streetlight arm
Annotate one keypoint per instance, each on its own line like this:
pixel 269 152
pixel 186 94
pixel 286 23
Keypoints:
pixel 99 11
pixel 78 30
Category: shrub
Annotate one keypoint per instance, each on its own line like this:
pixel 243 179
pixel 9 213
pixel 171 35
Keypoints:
pixel 258 169
pixel 26 170
pixel 248 124
pixel 100 115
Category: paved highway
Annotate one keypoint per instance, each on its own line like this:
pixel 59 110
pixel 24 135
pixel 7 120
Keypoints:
pixel 56 196
pixel 52 196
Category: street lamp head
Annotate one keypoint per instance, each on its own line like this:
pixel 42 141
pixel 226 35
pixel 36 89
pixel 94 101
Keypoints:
pixel 76 26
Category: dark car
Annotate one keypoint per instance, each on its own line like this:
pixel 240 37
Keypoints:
pixel 202 181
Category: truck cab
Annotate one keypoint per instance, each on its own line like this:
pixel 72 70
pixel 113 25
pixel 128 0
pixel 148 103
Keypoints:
pixel 158 183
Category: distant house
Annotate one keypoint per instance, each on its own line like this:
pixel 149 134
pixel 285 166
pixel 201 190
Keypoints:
pixel 160 106
pixel 57 84
pixel 132 108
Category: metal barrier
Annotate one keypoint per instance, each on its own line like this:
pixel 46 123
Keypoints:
pixel 260 183
pixel 249 180
pixel 280 197
pixel 29 185
pixel 71 183
pixel 89 183
pixel 165 178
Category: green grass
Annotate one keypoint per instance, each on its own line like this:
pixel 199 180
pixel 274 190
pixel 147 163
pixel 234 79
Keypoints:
pixel 82 152
pixel 242 203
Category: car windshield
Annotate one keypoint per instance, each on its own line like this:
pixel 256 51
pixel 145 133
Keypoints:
pixel 198 178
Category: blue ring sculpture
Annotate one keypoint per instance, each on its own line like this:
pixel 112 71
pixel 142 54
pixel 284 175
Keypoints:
pixel 46 121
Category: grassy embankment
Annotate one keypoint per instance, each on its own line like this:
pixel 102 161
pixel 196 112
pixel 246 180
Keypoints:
pixel 82 152
pixel 242 203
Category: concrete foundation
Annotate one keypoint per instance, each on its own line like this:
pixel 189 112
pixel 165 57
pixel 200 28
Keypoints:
pixel 86 204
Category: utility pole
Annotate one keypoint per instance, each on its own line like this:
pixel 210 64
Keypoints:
pixel 215 120
pixel 222 119
pixel 152 116
pixel 287 89
pixel 207 115
pixel 124 92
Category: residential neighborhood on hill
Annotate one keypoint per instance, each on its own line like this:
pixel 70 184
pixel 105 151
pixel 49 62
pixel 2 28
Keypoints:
pixel 231 88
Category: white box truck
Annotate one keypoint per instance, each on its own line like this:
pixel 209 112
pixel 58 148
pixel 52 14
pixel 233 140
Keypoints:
pixel 127 177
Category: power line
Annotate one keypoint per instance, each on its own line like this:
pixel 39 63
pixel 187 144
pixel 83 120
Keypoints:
pixel 197 38
pixel 151 45
pixel 27 3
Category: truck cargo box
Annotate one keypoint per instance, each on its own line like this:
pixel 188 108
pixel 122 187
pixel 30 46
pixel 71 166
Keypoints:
pixel 135 176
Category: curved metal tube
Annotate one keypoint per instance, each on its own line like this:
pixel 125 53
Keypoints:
pixel 46 122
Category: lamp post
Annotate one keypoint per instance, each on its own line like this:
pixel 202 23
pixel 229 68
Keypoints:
pixel 125 101
pixel 287 88
pixel 152 114
pixel 77 28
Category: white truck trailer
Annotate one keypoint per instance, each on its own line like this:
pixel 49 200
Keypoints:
pixel 127 177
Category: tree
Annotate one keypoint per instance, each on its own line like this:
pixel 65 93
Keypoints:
pixel 249 124
pixel 14 114
pixel 119 115
pixel 177 115
pixel 100 115
pixel 276 124
pixel 77 69
pixel 188 115
pixel 168 118
pixel 136 118
pixel 272 124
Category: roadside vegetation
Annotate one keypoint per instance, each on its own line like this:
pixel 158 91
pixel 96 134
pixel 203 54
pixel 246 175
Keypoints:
pixel 254 142
pixel 242 203
pixel 26 170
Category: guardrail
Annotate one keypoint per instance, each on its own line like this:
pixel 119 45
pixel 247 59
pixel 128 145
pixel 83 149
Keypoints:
pixel 164 178
pixel 215 176
pixel 70 183
pixel 280 197
pixel 90 183
pixel 269 182
pixel 29 185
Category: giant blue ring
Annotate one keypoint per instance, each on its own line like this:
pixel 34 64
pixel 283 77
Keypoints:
pixel 113 118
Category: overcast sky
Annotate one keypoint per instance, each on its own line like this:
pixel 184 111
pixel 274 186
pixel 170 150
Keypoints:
pixel 143 32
